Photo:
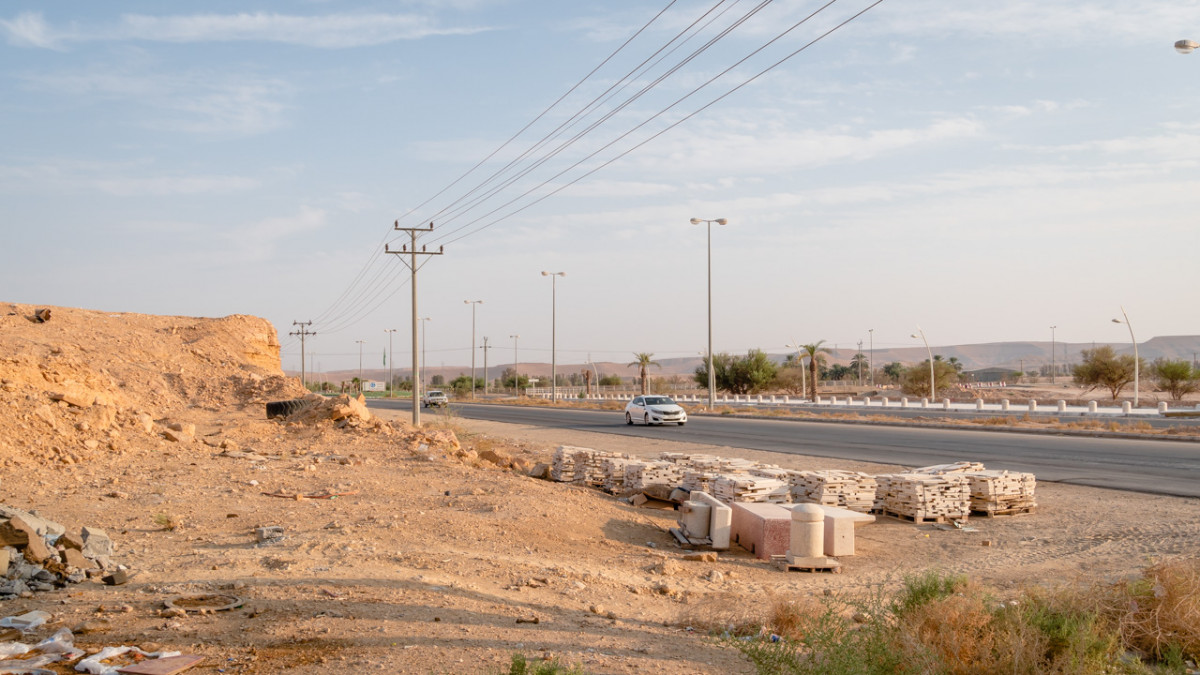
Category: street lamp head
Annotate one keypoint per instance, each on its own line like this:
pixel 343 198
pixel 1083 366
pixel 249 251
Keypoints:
pixel 696 221
pixel 1117 321
pixel 721 221
pixel 914 335
pixel 1186 46
pixel 545 273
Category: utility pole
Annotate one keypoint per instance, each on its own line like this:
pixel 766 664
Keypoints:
pixel 303 332
pixel 411 263
pixel 485 367
pixel 473 303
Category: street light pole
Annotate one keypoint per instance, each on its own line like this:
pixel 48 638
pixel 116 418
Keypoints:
pixel 932 381
pixel 800 359
pixel 360 380
pixel 553 332
pixel 871 363
pixel 389 331
pixel 472 303
pixel 1136 360
pixel 516 372
pixel 1052 347
pixel 712 376
pixel 423 320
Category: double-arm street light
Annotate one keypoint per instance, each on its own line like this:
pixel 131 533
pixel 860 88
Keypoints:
pixel 553 332
pixel 712 376
pixel 516 372
pixel 932 381
pixel 472 303
pixel 1136 361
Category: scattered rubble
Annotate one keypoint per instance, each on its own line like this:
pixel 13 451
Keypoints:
pixel 40 555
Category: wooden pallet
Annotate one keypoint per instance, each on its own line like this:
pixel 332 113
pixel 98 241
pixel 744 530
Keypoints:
pixel 780 562
pixel 1006 512
pixel 919 520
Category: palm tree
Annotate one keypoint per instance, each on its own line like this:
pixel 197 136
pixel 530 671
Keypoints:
pixel 644 361
pixel 814 352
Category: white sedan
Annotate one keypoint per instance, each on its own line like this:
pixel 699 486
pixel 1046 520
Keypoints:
pixel 654 410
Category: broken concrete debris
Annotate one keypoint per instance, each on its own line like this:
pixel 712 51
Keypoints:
pixel 39 555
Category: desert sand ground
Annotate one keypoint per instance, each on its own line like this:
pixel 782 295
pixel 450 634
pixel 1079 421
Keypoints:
pixel 440 555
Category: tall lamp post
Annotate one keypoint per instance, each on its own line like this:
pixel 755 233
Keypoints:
pixel 1136 360
pixel 871 363
pixel 360 381
pixel 1052 347
pixel 516 372
pixel 712 376
pixel 472 303
pixel 932 381
pixel 423 320
pixel 553 332
pixel 800 360
pixel 389 331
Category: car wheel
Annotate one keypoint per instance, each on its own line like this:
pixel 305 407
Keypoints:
pixel 628 419
pixel 682 423
pixel 646 419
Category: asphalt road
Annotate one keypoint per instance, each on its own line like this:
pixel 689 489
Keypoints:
pixel 1157 467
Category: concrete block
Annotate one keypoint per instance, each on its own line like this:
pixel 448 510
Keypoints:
pixel 763 529
pixel 5 556
pixel 720 522
pixel 839 529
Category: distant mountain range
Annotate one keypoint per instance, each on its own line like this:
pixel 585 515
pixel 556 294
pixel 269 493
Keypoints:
pixel 1023 356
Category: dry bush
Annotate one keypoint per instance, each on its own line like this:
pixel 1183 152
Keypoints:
pixel 958 629
pixel 1159 612
pixel 724 614
pixel 1008 421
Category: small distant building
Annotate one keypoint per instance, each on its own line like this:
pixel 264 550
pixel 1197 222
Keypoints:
pixel 991 374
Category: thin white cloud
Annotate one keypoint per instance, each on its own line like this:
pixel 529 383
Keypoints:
pixel 329 31
pixel 193 102
pixel 119 179
pixel 258 241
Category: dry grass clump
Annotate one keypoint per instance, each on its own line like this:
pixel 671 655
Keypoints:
pixel 1158 613
pixel 939 623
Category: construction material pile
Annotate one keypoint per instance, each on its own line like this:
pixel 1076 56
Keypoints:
pixel 40 555
pixel 992 492
pixel 852 490
pixel 921 497
pixel 746 488
pixel 641 475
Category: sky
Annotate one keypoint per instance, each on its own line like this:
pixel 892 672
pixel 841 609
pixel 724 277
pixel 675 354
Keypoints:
pixel 976 171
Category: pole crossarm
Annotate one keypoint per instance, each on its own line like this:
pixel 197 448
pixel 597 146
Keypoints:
pixel 412 266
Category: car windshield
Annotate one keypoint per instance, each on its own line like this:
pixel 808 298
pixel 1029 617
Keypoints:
pixel 436 393
pixel 659 400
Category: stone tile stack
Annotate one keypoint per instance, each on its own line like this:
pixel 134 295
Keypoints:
pixel 640 475
pixel 852 490
pixel 562 464
pixel 921 497
pixel 992 492
pixel 589 465
pixel 746 488
pixel 614 473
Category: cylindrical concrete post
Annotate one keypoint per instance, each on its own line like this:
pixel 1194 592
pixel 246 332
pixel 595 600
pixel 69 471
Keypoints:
pixel 1032 405
pixel 817 400
pixel 808 532
pixel 946 403
pixel 883 402
pixel 924 402
pixel 1092 406
pixel 903 401
pixel 1126 407
pixel 1062 406
pixel 979 404
pixel 1004 404
pixel 1162 406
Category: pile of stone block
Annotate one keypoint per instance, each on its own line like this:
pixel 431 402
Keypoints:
pixel 696 480
pixel 992 492
pixel 562 464
pixel 921 497
pixel 40 555
pixel 640 475
pixel 614 474
pixel 746 488
pixel 851 490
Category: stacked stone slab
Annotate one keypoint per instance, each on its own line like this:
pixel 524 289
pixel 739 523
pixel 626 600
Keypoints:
pixel 746 488
pixel 562 464
pixel 614 473
pixel 992 492
pixel 589 465
pixel 698 481
pixel 640 475
pixel 851 490
pixel 923 497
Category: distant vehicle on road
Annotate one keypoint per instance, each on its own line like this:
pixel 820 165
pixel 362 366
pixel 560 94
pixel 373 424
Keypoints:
pixel 655 409
pixel 435 398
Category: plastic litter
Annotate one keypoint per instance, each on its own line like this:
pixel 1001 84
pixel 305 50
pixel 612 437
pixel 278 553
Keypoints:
pixel 25 622
pixel 93 665
pixel 31 666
